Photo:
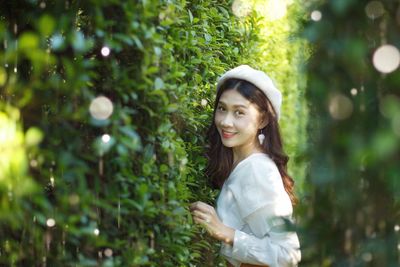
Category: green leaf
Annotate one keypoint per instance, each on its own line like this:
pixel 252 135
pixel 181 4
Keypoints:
pixel 28 41
pixel 172 107
pixel 3 76
pixel 33 136
pixel 46 25
pixel 190 16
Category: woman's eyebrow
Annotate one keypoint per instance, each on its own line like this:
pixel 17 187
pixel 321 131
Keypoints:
pixel 235 106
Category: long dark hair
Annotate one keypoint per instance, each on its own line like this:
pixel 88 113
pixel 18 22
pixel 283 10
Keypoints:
pixel 220 158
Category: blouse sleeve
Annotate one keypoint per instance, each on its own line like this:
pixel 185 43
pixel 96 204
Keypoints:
pixel 264 205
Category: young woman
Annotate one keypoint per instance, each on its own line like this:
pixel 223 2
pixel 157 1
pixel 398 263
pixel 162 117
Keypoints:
pixel 247 162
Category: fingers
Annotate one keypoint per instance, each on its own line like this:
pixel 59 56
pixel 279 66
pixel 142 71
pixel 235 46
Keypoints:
pixel 201 216
pixel 195 205
pixel 201 212
pixel 201 220
pixel 202 207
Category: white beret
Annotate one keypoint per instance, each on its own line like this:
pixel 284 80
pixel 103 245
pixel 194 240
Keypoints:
pixel 257 78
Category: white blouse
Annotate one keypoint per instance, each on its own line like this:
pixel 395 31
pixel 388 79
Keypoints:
pixel 254 202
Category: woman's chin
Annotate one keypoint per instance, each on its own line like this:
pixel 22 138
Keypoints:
pixel 227 143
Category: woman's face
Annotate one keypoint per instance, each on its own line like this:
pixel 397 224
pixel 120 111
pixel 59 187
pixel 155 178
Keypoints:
pixel 237 120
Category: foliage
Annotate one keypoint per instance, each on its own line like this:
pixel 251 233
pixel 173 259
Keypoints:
pixel 280 52
pixel 351 213
pixel 114 191
pixel 14 181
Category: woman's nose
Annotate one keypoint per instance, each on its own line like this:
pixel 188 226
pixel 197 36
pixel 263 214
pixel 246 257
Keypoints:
pixel 226 121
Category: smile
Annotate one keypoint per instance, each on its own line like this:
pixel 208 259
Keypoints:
pixel 227 134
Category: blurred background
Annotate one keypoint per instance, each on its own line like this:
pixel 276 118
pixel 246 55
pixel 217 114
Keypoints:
pixel 104 106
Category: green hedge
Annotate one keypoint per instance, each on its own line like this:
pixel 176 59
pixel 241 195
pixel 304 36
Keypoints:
pixel 114 192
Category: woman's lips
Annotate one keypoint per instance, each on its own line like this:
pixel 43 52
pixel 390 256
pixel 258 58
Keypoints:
pixel 227 134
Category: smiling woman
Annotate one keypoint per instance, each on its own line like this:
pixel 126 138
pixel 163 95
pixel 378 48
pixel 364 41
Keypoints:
pixel 237 122
pixel 247 163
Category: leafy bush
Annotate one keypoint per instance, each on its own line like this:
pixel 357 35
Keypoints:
pixel 113 191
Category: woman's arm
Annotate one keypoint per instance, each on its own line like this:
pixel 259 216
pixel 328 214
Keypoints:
pixel 271 243
pixel 206 215
pixel 276 248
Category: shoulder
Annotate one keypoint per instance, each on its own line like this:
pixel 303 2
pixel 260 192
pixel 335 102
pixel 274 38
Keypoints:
pixel 260 161
pixel 257 183
pixel 257 175
pixel 258 168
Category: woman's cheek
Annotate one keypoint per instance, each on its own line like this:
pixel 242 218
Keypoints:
pixel 241 124
pixel 217 119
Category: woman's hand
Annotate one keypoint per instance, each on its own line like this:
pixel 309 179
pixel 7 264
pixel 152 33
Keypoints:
pixel 205 215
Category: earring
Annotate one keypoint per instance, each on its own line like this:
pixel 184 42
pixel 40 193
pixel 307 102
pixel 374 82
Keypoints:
pixel 261 137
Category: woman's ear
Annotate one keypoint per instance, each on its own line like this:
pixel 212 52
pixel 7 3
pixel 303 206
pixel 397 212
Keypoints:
pixel 264 120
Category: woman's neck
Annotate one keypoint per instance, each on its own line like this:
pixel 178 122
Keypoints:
pixel 240 153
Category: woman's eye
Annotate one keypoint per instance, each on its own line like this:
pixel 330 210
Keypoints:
pixel 220 108
pixel 238 112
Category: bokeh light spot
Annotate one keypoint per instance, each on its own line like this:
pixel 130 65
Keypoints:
pixel 105 138
pixel 386 58
pixel 389 105
pixel 73 199
pixel 396 130
pixel 50 222
pixel 367 256
pixel 33 163
pixel 101 108
pixel 108 252
pixel 374 9
pixel 340 107
pixel 354 91
pixel 316 15
pixel 96 231
pixel 105 51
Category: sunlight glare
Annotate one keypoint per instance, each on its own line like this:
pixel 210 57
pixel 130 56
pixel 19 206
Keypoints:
pixel 272 9
pixel 241 8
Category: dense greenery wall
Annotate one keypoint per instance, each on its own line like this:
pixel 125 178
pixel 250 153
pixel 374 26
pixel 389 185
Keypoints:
pixel 352 191
pixel 103 109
